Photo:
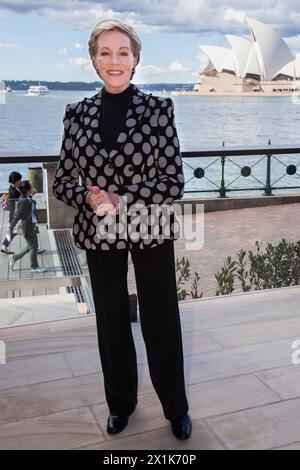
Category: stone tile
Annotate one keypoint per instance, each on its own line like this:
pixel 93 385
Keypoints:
pixel 72 323
pixel 32 371
pixel 87 361
pixel 52 343
pixel 285 381
pixel 236 361
pixel 162 439
pixel 64 431
pixel 84 361
pixel 205 399
pixel 203 314
pixel 197 342
pixel 264 427
pixel 228 395
pixel 17 332
pixel 147 416
pixel 31 309
pixel 294 446
pixel 50 397
pixel 257 332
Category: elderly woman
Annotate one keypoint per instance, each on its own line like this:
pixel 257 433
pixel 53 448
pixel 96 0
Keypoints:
pixel 120 149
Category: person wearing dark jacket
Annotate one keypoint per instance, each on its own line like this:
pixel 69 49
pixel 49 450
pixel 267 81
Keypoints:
pixel 122 144
pixel 14 193
pixel 26 212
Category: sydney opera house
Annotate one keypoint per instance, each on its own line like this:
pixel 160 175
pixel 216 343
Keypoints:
pixel 262 64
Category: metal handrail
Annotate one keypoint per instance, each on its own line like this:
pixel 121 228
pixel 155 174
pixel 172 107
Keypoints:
pixel 224 151
pixel 222 155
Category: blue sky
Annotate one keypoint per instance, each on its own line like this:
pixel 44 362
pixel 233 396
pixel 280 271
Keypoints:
pixel 47 40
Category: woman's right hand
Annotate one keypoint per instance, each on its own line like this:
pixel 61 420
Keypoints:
pixel 109 201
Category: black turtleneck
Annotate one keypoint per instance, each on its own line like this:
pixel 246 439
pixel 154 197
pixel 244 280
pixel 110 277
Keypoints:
pixel 113 114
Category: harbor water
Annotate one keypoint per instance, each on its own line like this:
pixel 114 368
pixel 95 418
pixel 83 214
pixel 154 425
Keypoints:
pixel 33 124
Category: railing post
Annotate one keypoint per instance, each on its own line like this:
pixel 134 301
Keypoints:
pixel 268 187
pixel 222 187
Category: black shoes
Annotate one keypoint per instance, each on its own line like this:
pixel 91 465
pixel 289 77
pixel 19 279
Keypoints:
pixel 182 429
pixel 116 424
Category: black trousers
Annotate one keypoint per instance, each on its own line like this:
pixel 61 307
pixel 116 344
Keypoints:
pixel 160 325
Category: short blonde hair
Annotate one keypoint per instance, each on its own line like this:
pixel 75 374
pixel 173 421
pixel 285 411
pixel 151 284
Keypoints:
pixel 108 25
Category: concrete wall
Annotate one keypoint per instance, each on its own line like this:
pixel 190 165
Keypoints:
pixel 220 204
pixel 59 214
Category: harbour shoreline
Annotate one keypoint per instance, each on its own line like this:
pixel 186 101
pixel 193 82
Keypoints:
pixel 234 94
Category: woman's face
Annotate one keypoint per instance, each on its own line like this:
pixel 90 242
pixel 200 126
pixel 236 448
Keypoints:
pixel 114 54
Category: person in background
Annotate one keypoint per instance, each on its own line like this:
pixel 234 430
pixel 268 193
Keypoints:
pixel 14 180
pixel 14 194
pixel 26 212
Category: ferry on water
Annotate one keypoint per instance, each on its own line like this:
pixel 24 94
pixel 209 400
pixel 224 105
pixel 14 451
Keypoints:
pixel 36 90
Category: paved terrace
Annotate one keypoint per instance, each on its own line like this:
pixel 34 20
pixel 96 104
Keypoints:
pixel 227 231
pixel 243 390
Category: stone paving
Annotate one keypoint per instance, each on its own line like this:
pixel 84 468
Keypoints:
pixel 226 232
pixel 243 387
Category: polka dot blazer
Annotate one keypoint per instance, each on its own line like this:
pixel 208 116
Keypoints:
pixel 145 166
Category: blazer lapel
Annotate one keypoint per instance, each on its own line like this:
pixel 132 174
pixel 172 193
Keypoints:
pixel 92 118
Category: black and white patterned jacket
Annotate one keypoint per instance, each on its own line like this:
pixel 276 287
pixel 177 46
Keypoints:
pixel 145 165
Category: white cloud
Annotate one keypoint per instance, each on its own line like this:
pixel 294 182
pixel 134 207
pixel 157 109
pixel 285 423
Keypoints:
pixel 78 46
pixel 78 61
pixel 63 51
pixel 192 16
pixel 9 45
pixel 177 67
pixel 293 42
pixel 236 15
pixel 150 70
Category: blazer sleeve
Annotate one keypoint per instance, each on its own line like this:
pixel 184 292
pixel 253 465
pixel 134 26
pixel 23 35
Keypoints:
pixel 169 185
pixel 13 199
pixel 66 185
pixel 22 213
pixel 12 208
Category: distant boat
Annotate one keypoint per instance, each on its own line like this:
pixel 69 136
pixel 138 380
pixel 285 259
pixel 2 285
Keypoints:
pixel 98 89
pixel 36 90
pixel 8 88
pixel 145 90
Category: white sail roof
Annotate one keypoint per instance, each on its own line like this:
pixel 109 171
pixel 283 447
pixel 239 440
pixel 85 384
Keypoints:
pixel 266 55
pixel 252 66
pixel 241 48
pixel 219 56
pixel 288 69
pixel 273 51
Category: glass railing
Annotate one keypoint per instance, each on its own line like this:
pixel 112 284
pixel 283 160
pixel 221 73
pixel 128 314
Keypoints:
pixel 61 287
